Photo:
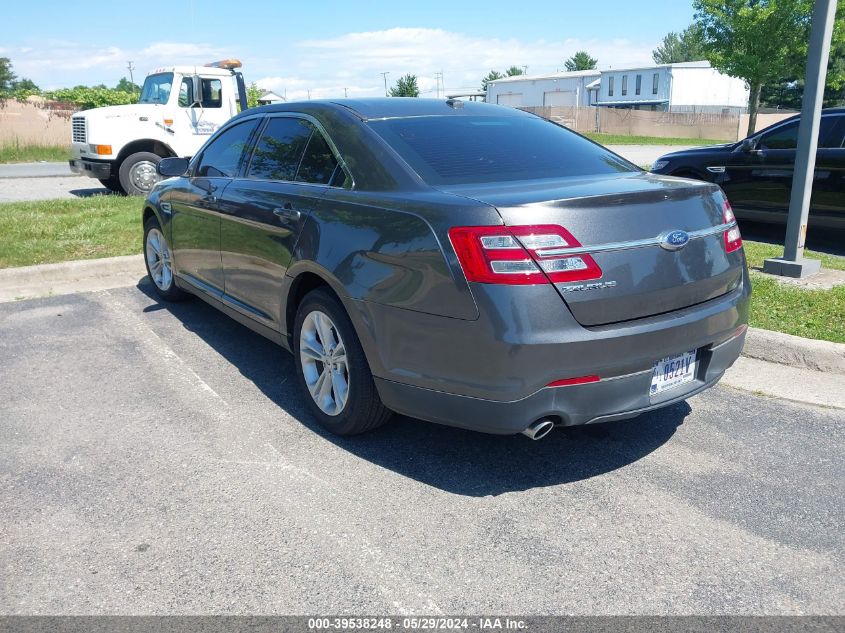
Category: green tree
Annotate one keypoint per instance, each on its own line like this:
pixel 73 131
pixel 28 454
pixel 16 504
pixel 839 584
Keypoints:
pixel 7 76
pixel 515 70
pixel 124 85
pixel 493 75
pixel 580 61
pixel 406 86
pixel 761 41
pixel 253 94
pixel 686 46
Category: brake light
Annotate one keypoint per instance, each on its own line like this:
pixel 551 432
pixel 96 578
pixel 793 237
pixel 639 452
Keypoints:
pixel 521 255
pixel 733 238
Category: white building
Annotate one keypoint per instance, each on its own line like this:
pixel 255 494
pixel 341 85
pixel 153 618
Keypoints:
pixel 270 97
pixel 560 89
pixel 684 87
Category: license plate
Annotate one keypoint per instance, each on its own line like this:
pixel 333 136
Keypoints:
pixel 672 371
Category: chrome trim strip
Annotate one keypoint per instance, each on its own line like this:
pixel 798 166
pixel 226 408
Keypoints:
pixel 624 246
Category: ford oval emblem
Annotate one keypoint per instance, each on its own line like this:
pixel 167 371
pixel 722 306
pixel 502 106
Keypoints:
pixel 674 240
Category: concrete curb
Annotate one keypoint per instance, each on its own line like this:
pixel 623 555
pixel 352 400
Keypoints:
pixel 113 272
pixel 795 351
pixel 70 277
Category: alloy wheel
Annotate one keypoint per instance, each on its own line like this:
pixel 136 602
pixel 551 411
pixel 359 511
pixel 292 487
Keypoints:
pixel 322 355
pixel 159 261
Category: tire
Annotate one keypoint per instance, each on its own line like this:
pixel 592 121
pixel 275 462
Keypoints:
pixel 112 184
pixel 362 409
pixel 156 249
pixel 137 173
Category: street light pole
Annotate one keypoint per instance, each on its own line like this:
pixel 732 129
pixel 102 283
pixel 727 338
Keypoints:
pixel 793 264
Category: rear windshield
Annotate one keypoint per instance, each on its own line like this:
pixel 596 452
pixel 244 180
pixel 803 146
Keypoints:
pixel 451 150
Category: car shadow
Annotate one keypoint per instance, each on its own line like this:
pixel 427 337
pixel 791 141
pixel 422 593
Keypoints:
pixel 454 460
pixel 90 193
pixel 822 240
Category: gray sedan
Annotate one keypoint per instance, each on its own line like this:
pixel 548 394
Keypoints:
pixel 462 263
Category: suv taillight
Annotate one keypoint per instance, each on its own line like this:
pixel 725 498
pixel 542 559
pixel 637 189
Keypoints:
pixel 521 255
pixel 733 238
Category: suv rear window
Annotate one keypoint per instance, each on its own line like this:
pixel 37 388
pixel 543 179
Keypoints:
pixel 449 150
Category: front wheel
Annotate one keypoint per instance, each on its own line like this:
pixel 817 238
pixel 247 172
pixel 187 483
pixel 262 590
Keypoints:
pixel 331 368
pixel 137 173
pixel 159 262
pixel 112 184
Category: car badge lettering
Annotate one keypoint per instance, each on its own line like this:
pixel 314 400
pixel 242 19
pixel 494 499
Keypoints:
pixel 599 285
pixel 674 240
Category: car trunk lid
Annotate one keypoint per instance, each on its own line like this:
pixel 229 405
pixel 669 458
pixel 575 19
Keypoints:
pixel 620 222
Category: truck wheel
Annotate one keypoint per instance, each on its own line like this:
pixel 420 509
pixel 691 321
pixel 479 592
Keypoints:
pixel 138 173
pixel 112 184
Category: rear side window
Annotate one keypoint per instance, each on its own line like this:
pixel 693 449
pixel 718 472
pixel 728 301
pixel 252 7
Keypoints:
pixel 447 150
pixel 318 164
pixel 225 153
pixel 292 149
pixel 279 151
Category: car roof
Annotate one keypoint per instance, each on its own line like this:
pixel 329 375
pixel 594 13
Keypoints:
pixel 399 107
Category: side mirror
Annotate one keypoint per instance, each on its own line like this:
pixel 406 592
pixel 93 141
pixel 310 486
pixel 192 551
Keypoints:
pixel 170 167
pixel 748 144
pixel 197 88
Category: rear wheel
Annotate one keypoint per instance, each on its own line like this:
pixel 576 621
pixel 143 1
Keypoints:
pixel 333 373
pixel 137 173
pixel 158 259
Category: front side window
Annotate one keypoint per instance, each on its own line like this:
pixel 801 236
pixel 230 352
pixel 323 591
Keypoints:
pixel 211 94
pixel 186 93
pixel 655 82
pixel 624 85
pixel 225 153
pixel 610 86
pixel 639 85
pixel 786 136
pixel 451 150
pixel 156 88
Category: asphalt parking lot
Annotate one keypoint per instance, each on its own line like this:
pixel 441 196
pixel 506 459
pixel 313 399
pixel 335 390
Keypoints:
pixel 157 459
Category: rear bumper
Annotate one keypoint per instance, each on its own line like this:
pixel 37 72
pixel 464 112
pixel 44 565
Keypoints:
pixel 94 169
pixel 490 374
pixel 604 401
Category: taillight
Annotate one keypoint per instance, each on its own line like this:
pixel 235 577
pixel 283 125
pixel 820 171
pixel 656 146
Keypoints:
pixel 521 255
pixel 733 238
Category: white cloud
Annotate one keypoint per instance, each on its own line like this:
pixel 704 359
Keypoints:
pixel 463 59
pixel 326 67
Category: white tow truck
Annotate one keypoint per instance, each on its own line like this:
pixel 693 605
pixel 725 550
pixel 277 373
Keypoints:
pixel 180 106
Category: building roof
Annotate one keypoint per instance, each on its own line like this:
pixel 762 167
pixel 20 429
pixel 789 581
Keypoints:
pixel 701 64
pixel 270 95
pixel 562 75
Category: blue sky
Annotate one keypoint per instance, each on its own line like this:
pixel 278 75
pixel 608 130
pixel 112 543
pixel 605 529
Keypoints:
pixel 325 47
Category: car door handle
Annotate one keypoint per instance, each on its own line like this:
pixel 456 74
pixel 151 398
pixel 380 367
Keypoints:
pixel 287 212
pixel 209 199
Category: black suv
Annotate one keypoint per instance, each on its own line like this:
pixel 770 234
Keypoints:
pixel 756 172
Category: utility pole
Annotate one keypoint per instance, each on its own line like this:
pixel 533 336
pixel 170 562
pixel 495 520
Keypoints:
pixel 525 70
pixel 385 82
pixel 437 77
pixel 131 68
pixel 344 94
pixel 793 264
pixel 309 94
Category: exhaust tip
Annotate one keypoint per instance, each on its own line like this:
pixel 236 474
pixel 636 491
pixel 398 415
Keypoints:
pixel 539 429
